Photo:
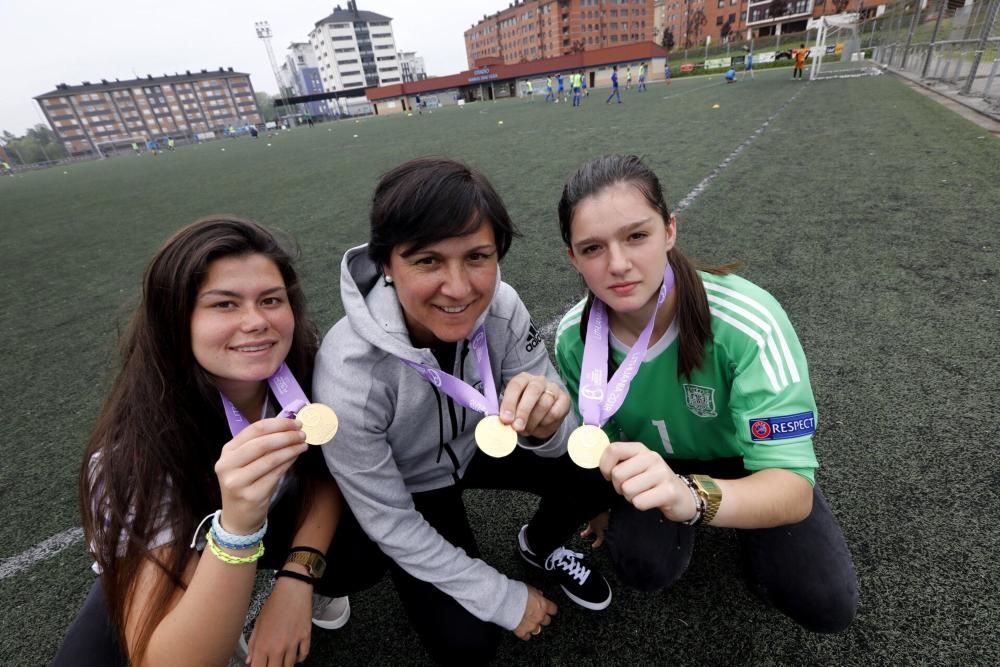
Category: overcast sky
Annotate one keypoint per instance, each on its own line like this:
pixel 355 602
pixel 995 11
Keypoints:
pixel 69 41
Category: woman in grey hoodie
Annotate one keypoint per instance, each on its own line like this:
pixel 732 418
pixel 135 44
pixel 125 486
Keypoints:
pixel 422 298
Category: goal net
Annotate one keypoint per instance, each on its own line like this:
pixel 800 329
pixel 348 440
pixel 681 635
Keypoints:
pixel 838 53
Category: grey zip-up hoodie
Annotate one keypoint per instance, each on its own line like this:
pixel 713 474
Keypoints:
pixel 400 435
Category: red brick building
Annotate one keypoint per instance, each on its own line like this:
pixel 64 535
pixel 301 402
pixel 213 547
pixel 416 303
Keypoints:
pixel 535 29
pixel 691 21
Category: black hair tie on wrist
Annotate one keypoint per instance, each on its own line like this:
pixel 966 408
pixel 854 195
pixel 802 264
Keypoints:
pixel 295 575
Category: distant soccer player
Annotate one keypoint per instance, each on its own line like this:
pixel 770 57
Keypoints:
pixel 666 73
pixel 747 64
pixel 135 147
pixel 615 90
pixel 628 77
pixel 530 92
pixel 561 97
pixel 800 54
pixel 730 75
pixel 548 90
pixel 575 81
pixel 642 78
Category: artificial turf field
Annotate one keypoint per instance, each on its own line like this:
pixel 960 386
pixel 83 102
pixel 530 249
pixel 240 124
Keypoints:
pixel 868 210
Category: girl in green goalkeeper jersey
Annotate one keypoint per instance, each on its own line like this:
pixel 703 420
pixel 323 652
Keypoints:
pixel 718 421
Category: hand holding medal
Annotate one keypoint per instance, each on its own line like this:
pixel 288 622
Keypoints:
pixel 319 422
pixel 492 436
pixel 599 399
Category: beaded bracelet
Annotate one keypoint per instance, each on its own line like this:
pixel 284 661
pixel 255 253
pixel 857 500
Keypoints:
pixel 234 560
pixel 231 541
pixel 699 502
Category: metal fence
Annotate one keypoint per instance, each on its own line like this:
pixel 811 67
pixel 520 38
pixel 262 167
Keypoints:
pixel 942 44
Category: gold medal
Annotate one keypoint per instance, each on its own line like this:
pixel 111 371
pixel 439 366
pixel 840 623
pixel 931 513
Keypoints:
pixel 319 422
pixel 586 444
pixel 494 437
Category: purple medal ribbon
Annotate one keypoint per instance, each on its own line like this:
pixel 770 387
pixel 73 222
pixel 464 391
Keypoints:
pixel 460 390
pixel 598 399
pixel 285 388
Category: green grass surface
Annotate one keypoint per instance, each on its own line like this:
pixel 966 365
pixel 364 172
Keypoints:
pixel 868 210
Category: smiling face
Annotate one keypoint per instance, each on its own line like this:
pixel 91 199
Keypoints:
pixel 444 287
pixel 242 323
pixel 619 244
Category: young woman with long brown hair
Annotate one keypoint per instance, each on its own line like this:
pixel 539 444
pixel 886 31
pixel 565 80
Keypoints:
pixel 191 431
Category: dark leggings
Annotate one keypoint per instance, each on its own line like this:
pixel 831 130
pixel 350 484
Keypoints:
pixel 804 570
pixel 569 497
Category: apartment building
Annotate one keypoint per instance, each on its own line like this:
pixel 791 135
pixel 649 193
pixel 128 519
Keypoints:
pixel 412 66
pixel 355 49
pixel 95 117
pixel 300 72
pixel 536 29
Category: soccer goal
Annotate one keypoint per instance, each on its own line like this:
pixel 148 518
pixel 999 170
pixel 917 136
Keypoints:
pixel 838 53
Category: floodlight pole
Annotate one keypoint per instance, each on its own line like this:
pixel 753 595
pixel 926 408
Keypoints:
pixel 264 33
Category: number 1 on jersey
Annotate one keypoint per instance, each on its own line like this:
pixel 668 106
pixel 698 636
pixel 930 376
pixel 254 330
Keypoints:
pixel 661 426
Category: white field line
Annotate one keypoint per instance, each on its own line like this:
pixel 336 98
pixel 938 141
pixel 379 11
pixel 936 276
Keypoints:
pixel 50 547
pixel 705 182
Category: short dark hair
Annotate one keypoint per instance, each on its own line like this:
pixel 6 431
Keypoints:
pixel 430 199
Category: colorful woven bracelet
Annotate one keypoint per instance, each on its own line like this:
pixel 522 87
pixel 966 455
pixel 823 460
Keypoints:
pixel 231 541
pixel 234 560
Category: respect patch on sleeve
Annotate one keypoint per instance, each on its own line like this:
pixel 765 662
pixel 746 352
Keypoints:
pixel 781 428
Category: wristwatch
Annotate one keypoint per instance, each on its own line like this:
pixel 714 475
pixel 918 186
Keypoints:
pixel 313 561
pixel 710 493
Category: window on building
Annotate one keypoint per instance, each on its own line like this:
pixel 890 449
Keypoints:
pixel 718 20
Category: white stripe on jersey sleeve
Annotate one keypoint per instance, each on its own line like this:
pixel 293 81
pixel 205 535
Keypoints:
pixel 793 369
pixel 760 344
pixel 572 316
pixel 765 328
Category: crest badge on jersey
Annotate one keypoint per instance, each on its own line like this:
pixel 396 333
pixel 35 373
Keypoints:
pixel 700 400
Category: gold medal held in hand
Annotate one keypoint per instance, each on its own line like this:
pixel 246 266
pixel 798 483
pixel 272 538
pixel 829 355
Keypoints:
pixel 586 444
pixel 319 422
pixel 494 437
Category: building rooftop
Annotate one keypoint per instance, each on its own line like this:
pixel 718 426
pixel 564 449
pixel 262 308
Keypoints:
pixel 88 87
pixel 352 14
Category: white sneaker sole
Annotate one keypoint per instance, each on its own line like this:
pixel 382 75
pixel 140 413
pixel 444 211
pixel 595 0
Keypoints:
pixel 336 623
pixel 593 606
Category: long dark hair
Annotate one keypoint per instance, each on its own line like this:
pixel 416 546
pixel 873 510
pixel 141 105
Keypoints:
pixel 693 317
pixel 149 464
pixel 430 199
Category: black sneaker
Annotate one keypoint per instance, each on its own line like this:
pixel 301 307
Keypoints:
pixel 582 585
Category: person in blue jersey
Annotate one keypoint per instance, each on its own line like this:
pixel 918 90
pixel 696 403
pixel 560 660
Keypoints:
pixel 730 75
pixel 716 425
pixel 615 90
pixel 667 73
pixel 561 85
pixel 747 64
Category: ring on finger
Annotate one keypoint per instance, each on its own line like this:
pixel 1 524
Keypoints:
pixel 536 631
pixel 551 393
